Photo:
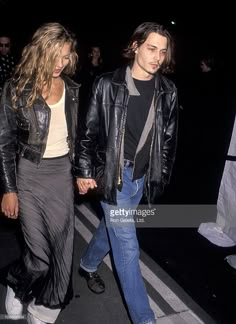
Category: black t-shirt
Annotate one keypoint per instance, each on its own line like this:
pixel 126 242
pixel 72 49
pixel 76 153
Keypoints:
pixel 138 109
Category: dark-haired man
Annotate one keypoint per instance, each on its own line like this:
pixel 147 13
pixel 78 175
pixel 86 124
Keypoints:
pixel 130 137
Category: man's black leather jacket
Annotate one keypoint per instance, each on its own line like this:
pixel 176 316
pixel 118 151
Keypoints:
pixel 24 131
pixel 101 143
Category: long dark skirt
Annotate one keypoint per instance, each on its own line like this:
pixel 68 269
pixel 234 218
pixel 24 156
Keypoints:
pixel 47 221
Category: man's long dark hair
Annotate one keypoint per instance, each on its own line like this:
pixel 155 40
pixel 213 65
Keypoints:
pixel 140 35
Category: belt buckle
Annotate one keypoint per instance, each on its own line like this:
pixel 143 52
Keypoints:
pixel 128 163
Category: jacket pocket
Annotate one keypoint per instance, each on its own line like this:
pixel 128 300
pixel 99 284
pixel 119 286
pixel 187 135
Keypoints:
pixel 23 129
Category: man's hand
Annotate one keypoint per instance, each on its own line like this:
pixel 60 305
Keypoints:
pixel 85 184
pixel 10 205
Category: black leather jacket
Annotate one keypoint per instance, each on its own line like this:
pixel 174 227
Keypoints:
pixel 101 143
pixel 24 131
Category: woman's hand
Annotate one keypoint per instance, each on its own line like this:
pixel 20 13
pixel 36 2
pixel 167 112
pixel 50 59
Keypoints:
pixel 85 184
pixel 10 205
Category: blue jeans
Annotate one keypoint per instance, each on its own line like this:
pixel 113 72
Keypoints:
pixel 121 238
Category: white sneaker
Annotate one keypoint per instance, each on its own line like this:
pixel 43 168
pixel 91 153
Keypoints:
pixel 14 306
pixel 31 319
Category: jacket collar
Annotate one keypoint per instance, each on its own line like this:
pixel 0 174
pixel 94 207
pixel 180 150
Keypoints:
pixel 122 76
pixel 71 87
pixel 130 83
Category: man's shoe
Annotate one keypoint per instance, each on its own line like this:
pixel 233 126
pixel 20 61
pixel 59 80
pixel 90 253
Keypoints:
pixel 31 319
pixel 14 306
pixel 94 281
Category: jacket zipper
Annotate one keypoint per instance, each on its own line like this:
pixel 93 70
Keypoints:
pixel 121 138
pixel 47 131
pixel 151 147
pixel 148 175
pixel 69 136
pixel 36 121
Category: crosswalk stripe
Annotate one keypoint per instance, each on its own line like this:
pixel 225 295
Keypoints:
pixel 162 289
pixel 191 318
pixel 187 317
pixel 88 214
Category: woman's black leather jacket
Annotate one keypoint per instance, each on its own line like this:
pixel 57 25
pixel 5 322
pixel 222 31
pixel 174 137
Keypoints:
pixel 101 143
pixel 24 131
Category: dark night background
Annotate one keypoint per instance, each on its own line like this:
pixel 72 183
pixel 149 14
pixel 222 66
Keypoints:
pixel 200 26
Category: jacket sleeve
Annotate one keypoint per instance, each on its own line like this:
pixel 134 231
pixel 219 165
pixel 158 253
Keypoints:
pixel 8 142
pixel 86 147
pixel 170 139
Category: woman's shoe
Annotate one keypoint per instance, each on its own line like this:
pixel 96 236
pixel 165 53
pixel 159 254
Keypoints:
pixel 14 306
pixel 31 319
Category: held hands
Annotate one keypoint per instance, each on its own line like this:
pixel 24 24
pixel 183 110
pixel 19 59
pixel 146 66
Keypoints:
pixel 85 184
pixel 10 205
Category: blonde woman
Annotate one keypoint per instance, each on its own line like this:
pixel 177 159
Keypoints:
pixel 38 122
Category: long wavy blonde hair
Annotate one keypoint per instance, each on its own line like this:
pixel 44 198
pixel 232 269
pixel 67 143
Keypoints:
pixel 38 60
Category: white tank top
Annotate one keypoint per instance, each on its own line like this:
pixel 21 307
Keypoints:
pixel 57 144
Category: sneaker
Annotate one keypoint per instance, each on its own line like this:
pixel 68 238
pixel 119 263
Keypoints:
pixel 14 306
pixel 31 319
pixel 94 281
